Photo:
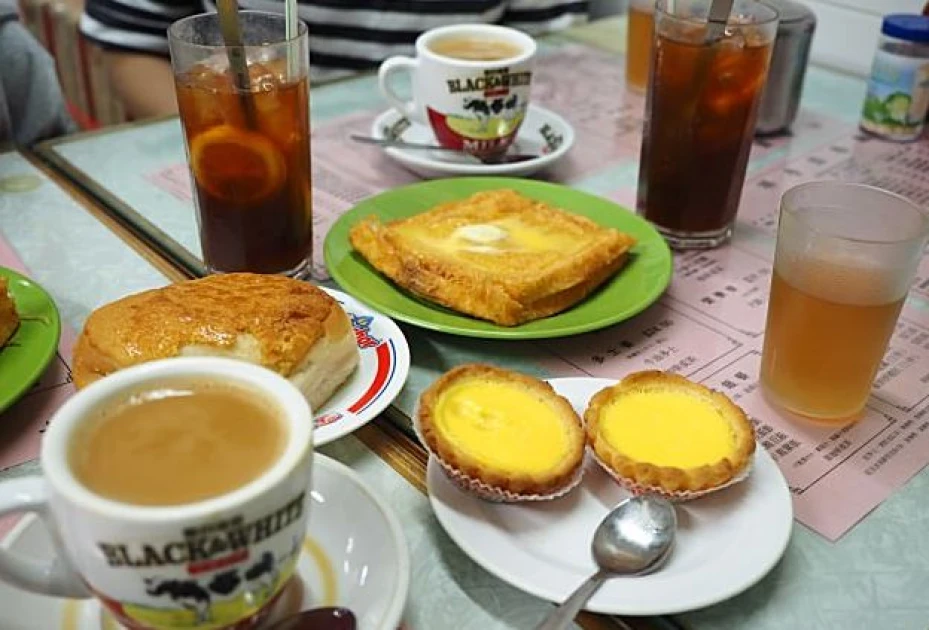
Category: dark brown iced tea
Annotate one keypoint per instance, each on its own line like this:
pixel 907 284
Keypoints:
pixel 700 119
pixel 251 177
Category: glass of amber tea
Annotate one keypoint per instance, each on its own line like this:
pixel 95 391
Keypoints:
pixel 846 257
pixel 700 112
pixel 248 141
pixel 640 30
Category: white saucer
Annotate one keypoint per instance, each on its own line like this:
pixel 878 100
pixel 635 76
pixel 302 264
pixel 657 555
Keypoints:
pixel 725 543
pixel 354 555
pixel 379 377
pixel 539 124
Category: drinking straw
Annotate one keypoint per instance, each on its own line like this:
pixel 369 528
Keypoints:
pixel 290 32
pixel 231 30
pixel 716 20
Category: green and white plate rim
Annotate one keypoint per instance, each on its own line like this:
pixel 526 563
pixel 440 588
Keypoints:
pixel 34 344
pixel 635 287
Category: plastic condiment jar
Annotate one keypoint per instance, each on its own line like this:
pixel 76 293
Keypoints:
pixel 898 91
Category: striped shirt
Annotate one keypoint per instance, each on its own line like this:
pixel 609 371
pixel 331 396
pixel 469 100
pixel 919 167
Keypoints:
pixel 345 35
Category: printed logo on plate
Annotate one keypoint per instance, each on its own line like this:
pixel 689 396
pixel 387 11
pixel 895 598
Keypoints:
pixel 375 370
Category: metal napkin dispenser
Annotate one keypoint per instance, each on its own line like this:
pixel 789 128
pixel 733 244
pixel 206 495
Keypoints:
pixel 789 60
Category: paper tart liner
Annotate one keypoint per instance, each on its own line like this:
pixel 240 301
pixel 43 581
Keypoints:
pixel 677 496
pixel 497 495
pixel 487 492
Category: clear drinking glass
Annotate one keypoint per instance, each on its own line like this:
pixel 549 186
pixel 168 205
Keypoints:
pixel 700 110
pixel 846 257
pixel 248 141
pixel 640 31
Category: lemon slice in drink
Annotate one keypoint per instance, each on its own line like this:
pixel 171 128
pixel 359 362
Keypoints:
pixel 237 165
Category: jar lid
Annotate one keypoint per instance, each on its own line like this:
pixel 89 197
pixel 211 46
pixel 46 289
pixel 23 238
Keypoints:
pixel 914 28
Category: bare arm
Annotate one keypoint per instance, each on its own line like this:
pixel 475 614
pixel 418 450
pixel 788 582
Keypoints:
pixel 144 83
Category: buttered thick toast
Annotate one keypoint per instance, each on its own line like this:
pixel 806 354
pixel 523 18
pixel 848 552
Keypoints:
pixel 496 255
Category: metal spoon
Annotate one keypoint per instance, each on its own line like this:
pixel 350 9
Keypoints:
pixel 633 539
pixel 318 619
pixel 506 158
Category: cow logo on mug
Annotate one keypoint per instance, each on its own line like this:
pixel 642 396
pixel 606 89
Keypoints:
pixel 491 111
pixel 212 575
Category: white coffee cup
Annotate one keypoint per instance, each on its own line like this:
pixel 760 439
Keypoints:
pixel 151 564
pixel 471 105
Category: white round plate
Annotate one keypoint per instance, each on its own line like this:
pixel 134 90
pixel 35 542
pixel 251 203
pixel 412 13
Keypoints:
pixel 354 556
pixel 379 377
pixel 725 542
pixel 543 133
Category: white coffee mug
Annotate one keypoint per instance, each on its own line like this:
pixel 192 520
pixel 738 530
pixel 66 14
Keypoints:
pixel 209 564
pixel 474 106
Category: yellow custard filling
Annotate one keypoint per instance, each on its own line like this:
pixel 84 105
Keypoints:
pixel 501 426
pixel 668 429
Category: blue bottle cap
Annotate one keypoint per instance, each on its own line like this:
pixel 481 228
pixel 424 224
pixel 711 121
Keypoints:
pixel 913 28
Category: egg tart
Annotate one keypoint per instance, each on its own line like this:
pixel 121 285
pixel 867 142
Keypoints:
pixel 663 432
pixel 508 433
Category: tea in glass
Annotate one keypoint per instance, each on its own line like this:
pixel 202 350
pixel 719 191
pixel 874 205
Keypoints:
pixel 640 30
pixel 700 118
pixel 846 257
pixel 248 146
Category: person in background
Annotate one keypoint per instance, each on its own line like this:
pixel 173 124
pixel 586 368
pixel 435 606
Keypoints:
pixel 346 36
pixel 32 107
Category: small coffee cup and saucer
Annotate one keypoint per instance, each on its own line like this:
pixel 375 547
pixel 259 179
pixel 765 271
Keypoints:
pixel 471 88
pixel 154 510
pixel 370 580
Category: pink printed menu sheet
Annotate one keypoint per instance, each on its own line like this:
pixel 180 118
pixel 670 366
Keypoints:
pixel 709 326
pixel 22 425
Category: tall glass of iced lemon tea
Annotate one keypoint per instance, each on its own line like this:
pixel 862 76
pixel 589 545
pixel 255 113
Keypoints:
pixel 248 141
pixel 846 257
pixel 701 103
pixel 640 30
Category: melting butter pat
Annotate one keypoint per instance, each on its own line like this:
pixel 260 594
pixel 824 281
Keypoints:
pixel 480 233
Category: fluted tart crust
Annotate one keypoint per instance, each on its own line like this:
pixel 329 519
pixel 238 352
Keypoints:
pixel 507 430
pixel 661 430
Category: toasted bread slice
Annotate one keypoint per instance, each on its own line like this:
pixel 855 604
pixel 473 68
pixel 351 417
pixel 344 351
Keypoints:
pixel 9 320
pixel 496 255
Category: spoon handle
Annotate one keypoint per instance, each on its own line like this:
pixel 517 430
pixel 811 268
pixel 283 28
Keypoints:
pixel 388 142
pixel 563 615
pixel 403 144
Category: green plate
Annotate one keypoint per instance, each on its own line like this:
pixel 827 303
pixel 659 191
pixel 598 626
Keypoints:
pixel 636 286
pixel 26 355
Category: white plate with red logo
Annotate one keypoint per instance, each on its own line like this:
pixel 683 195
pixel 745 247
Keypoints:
pixel 543 133
pixel 379 377
pixel 354 555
